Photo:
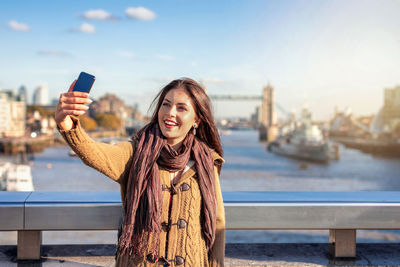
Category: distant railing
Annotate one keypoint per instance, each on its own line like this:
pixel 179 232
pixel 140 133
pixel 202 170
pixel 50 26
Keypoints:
pixel 342 213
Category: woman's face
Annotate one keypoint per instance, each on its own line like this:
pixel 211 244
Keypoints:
pixel 176 115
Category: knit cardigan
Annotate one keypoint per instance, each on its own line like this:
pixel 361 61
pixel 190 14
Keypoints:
pixel 186 245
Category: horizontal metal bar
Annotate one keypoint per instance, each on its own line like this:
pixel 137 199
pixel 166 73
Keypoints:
pixel 244 210
pixel 311 217
pixel 309 204
pixel 11 217
pixel 13 197
pixel 311 197
pixel 73 217
pixel 12 210
pixel 75 196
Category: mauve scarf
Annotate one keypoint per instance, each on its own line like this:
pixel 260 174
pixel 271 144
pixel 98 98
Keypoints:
pixel 143 199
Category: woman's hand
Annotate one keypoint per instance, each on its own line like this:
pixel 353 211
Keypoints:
pixel 70 103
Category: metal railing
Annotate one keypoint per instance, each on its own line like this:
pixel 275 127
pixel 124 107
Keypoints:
pixel 342 213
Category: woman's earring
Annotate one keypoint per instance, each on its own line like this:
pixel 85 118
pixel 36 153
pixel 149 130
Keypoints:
pixel 194 128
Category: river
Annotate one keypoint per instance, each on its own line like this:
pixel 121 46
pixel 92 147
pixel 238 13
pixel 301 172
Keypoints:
pixel 248 167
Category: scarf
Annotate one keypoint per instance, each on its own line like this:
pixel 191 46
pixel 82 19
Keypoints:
pixel 143 198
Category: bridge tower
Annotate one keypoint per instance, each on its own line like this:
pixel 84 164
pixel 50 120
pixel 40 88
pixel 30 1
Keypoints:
pixel 268 129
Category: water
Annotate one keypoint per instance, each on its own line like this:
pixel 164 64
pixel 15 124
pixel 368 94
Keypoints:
pixel 248 167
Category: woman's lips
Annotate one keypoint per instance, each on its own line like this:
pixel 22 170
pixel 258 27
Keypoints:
pixel 170 124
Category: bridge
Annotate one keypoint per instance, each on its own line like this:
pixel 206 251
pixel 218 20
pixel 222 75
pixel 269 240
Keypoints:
pixel 246 98
pixel 236 97
pixel 268 129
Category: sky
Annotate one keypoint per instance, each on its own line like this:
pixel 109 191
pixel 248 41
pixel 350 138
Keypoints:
pixel 316 54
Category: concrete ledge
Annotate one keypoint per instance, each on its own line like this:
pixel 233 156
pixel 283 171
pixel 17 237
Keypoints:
pixel 236 255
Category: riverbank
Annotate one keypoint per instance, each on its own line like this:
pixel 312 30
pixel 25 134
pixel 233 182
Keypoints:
pixel 390 148
pixel 31 145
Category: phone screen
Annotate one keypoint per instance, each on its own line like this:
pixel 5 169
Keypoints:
pixel 84 83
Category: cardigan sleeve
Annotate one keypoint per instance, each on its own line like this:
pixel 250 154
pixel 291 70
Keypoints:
pixel 218 250
pixel 112 160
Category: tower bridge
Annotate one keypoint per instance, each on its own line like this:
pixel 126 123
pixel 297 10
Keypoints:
pixel 265 114
pixel 246 98
pixel 236 97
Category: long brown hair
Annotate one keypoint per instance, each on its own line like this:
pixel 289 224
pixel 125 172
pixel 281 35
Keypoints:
pixel 142 209
pixel 207 132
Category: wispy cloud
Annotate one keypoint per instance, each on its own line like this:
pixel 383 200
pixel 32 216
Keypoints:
pixel 53 53
pixel 212 80
pixel 85 28
pixel 125 54
pixel 98 14
pixel 159 80
pixel 52 71
pixel 140 13
pixel 165 57
pixel 18 26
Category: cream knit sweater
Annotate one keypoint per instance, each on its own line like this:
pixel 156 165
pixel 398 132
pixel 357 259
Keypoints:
pixel 186 245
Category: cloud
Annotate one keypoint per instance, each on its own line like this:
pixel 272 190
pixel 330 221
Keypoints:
pixel 125 54
pixel 18 26
pixel 52 71
pixel 212 80
pixel 53 53
pixel 140 13
pixel 165 57
pixel 85 28
pixel 98 14
pixel 159 80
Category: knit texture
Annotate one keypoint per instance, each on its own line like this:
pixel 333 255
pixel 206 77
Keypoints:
pixel 186 242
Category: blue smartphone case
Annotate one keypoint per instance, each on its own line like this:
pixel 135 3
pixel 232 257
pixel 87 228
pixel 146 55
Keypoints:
pixel 84 83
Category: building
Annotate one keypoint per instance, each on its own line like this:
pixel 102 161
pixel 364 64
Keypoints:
pixel 12 115
pixel 41 96
pixel 391 107
pixel 268 128
pixel 23 94
pixel 110 103
pixel 4 114
pixel 267 108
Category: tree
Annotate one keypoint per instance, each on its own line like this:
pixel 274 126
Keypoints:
pixel 396 129
pixel 88 123
pixel 43 112
pixel 108 121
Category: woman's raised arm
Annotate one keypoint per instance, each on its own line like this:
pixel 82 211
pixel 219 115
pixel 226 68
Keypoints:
pixel 111 160
pixel 70 103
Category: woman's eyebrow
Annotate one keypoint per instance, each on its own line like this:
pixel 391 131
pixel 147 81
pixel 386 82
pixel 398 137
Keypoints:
pixel 180 103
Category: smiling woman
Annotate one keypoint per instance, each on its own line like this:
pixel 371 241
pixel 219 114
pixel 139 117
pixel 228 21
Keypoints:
pixel 168 175
pixel 176 116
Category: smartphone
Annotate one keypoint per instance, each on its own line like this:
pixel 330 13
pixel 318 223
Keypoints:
pixel 84 83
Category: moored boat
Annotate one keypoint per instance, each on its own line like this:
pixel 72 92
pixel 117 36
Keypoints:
pixel 15 177
pixel 302 140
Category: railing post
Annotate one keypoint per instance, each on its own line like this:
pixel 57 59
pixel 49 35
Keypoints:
pixel 342 243
pixel 29 245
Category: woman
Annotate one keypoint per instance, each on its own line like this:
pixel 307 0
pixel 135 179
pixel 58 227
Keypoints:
pixel 168 175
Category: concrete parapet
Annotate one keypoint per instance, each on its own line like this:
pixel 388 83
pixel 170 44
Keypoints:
pixel 236 255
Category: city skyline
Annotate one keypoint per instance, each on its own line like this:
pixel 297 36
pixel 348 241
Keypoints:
pixel 320 54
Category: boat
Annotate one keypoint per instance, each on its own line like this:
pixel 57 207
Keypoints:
pixel 301 140
pixel 224 131
pixel 15 177
pixel 72 153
